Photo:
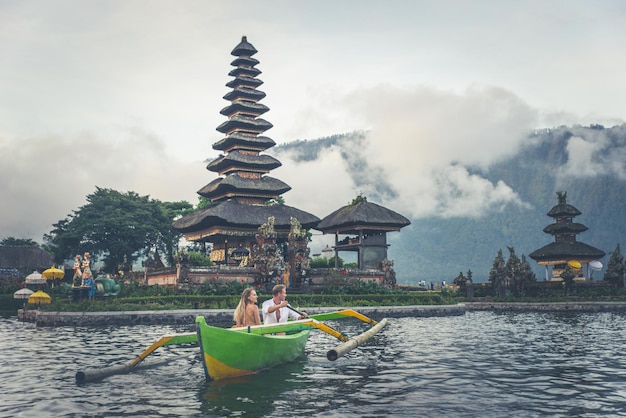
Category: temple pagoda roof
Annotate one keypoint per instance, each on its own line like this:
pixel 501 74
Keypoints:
pixel 244 72
pixel 233 214
pixel 243 81
pixel 245 94
pixel 240 140
pixel 244 48
pixel 244 62
pixel 563 210
pixel 233 184
pixel 565 228
pixel 236 160
pixel 243 123
pixel 244 106
pixel 362 217
pixel 564 251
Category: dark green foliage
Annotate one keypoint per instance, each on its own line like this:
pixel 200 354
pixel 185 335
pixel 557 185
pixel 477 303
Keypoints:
pixel 461 281
pixel 10 284
pixel 568 277
pixel 512 275
pixel 196 258
pixel 116 228
pixel 323 262
pixel 615 269
pixel 513 269
pixel 497 274
pixel 18 242
pixel 340 284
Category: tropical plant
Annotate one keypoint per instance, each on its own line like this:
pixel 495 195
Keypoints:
pixel 497 274
pixel 18 242
pixel 116 227
pixel 615 268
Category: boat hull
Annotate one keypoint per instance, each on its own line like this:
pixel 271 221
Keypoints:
pixel 231 353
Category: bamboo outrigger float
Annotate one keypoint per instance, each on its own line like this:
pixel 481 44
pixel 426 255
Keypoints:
pixel 231 352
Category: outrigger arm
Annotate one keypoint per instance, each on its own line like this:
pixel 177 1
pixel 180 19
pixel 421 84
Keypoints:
pixel 95 374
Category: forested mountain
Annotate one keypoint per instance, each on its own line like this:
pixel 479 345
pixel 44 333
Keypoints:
pixel 589 163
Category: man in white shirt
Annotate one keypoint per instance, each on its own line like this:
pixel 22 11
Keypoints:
pixel 275 310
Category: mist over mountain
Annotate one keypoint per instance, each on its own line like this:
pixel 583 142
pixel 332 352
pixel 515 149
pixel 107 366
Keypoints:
pixel 472 211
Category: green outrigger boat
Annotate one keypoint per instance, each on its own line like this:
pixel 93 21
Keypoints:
pixel 232 352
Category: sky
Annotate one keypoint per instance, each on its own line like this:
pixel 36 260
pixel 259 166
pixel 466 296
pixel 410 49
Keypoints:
pixel 126 94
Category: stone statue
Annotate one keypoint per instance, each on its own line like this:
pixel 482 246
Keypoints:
pixel 77 280
pixel 88 280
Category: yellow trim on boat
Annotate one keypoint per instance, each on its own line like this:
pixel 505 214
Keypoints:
pixel 219 370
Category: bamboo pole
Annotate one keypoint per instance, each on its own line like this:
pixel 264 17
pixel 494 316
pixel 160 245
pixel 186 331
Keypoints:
pixel 96 374
pixel 353 343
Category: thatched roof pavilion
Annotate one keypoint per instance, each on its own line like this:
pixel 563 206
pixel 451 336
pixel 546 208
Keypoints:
pixel 24 258
pixel 369 224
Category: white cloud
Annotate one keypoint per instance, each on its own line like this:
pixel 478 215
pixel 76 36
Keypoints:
pixel 127 94
pixel 589 156
pixel 423 138
pixel 47 178
pixel 319 186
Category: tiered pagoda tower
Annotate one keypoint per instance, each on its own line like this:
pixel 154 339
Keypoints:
pixel 565 249
pixel 243 195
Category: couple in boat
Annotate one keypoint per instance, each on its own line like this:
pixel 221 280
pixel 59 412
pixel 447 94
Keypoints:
pixel 275 310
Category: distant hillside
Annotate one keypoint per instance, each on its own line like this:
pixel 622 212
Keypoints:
pixel 435 249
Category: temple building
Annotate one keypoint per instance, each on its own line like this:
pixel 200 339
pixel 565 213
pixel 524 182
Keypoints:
pixel 565 250
pixel 363 227
pixel 243 196
pixel 255 238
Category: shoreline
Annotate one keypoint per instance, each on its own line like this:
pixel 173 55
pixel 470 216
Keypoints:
pixel 224 316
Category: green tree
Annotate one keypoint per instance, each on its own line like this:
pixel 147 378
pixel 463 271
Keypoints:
pixel 513 269
pixel 461 281
pixel 169 236
pixel 615 269
pixel 526 272
pixel 497 274
pixel 115 227
pixel 18 242
pixel 198 259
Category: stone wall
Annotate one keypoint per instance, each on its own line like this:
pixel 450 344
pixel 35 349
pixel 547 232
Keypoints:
pixel 547 307
pixel 218 316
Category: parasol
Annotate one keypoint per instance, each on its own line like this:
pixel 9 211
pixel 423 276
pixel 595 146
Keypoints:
pixel 34 278
pixel 595 265
pixel 575 264
pixel 39 297
pixel 240 252
pixel 22 294
pixel 53 273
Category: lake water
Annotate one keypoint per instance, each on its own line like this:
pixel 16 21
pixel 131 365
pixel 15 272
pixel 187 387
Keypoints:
pixel 482 364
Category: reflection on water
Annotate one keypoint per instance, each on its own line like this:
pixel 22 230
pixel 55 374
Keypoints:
pixel 480 364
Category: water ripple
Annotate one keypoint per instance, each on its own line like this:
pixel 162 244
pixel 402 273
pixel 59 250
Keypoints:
pixel 481 364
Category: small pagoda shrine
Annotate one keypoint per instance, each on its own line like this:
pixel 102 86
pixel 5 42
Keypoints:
pixel 565 252
pixel 363 228
pixel 243 196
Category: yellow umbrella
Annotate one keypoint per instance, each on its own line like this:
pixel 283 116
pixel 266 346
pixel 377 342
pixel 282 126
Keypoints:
pixel 53 273
pixel 575 264
pixel 39 297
